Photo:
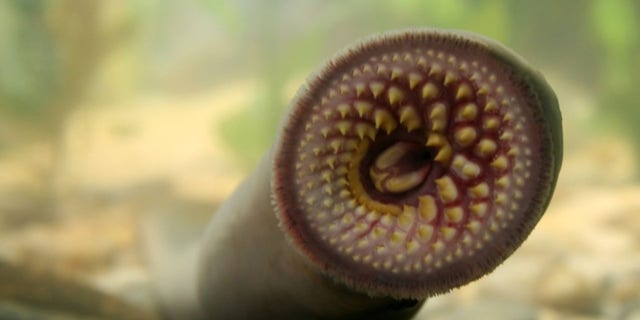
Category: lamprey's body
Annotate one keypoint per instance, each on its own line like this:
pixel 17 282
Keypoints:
pixel 410 164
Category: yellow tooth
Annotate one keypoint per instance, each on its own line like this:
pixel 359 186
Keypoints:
pixel 377 233
pixel 486 147
pixel 468 112
pixel 427 207
pixel 414 78
pixel 404 182
pixel 491 123
pixel 397 237
pixel 335 145
pixel 429 91
pixel 425 232
pixel 382 69
pixel 365 130
pixel 501 199
pixel 470 170
pixel 484 89
pixel 325 131
pixel 396 72
pixel 395 57
pixel 343 127
pixel 513 151
pixel 360 88
pixel 474 226
pixel 344 88
pixel 448 233
pixel 347 219
pixel 435 69
pixel 436 140
pixel 406 217
pixel 454 214
pixel 464 92
pixel 428 259
pixel 479 209
pixel 503 182
pixel 449 78
pixel 328 202
pixel 438 246
pixel 465 136
pixel 395 95
pixel 412 246
pixel 384 119
pixel 438 125
pixel 444 154
pixel 506 135
pixel 447 189
pixel 363 107
pixel 500 163
pixel 331 162
pixel 466 240
pixel 438 111
pixel 343 109
pixel 422 62
pixel 409 118
pixel 491 106
pixel 480 190
pixel 376 88
pixel 367 68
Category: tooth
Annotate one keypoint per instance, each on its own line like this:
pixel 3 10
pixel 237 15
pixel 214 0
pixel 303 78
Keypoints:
pixel 474 226
pixel 449 78
pixel 365 130
pixel 427 207
pixel 500 163
pixel 414 78
pixel 490 106
pixel 464 92
pixel 425 232
pixel 343 109
pixel 447 189
pixel 409 118
pixel 454 214
pixel 465 136
pixel 479 209
pixel 480 190
pixel 429 91
pixel 438 111
pixel 486 147
pixel 360 87
pixel 384 119
pixel 395 73
pixel 435 140
pixel 395 95
pixel 343 127
pixel 444 154
pixel 363 108
pixel 448 233
pixel 376 88
pixel 468 112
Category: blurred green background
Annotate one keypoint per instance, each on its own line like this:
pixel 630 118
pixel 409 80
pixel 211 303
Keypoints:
pixel 111 110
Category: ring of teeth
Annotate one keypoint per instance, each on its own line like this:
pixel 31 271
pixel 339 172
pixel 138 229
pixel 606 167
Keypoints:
pixel 414 161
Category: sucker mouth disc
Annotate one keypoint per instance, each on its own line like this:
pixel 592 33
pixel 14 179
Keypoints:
pixel 416 162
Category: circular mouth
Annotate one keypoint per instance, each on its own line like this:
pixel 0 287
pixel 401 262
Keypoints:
pixel 414 163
